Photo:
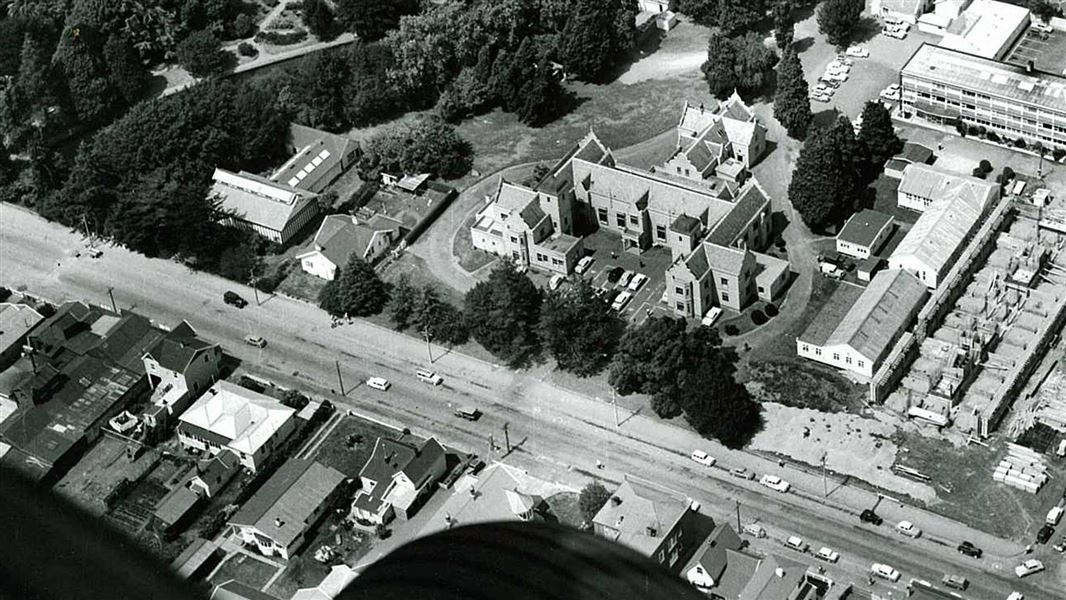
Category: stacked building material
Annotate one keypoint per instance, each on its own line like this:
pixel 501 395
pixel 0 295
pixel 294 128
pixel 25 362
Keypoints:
pixel 1021 468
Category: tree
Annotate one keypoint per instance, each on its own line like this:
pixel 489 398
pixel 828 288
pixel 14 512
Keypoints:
pixel 319 19
pixel 322 91
pixel 503 312
pixel 713 402
pixel 720 65
pixel 736 64
pixel 427 146
pixel 784 28
pixel 792 103
pixel 401 305
pixel 731 16
pixel 127 72
pixel 357 292
pixel 371 19
pixel 1043 9
pixel 429 50
pixel 825 179
pixel 838 19
pixel 598 35
pixel 648 361
pixel 877 139
pixel 591 499
pixel 80 58
pixel 201 55
pixel 579 329
pixel 371 96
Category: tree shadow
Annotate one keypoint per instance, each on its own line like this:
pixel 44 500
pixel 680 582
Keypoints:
pixel 155 86
pixel 824 118
pixel 647 45
pixel 803 45
pixel 867 29
pixel 779 221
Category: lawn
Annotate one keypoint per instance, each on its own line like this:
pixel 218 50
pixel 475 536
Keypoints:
pixel 884 200
pixel 301 284
pixel 304 571
pixel 963 481
pixel 565 507
pixel 349 445
pixel 245 569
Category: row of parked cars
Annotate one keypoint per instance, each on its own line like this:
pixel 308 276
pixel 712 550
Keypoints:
pixel 771 481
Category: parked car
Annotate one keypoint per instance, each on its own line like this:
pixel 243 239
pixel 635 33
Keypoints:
pixel 833 83
pixel 703 458
pixel 1016 596
pixel 614 274
pixel 627 276
pixel 754 529
pixel 429 377
pixel 820 97
pixel 970 550
pixel 908 529
pixel 796 543
pixel 869 516
pixel 895 33
pixel 621 300
pixel 1044 534
pixel 638 281
pixel 884 571
pixel 1028 568
pixel 555 282
pixel 234 299
pixel 467 412
pixel 891 93
pixel 584 264
pixel 827 554
pixel 955 581
pixel 1053 516
pixel 1061 546
pixel 95 252
pixel 840 76
pixel 379 383
pixel 775 483
pixel 255 340
pixel 742 473
pixel 858 52
pixel 844 59
pixel 711 316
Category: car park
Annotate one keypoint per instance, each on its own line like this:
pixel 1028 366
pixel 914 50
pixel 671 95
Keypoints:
pixel 379 383
pixel 638 281
pixel 555 282
pixel 584 264
pixel 820 97
pixel 908 529
pixel 711 316
pixel 234 299
pixel 858 52
pixel 429 377
pixel 775 483
pixel 955 581
pixel 468 412
pixel 796 543
pixel 1044 534
pixel 1028 568
pixel 970 550
pixel 742 473
pixel 884 571
pixel 827 554
pixel 621 300
pixel 869 516
pixel 703 458
pixel 614 274
pixel 255 340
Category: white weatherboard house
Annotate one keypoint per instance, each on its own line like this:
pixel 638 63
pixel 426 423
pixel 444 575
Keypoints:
pixel 340 237
pixel 864 233
pixel 921 185
pixel 229 416
pixel 856 329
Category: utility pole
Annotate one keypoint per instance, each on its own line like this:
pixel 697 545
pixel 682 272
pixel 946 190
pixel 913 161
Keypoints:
pixel 492 444
pixel 339 379
pixel 111 294
pixel 429 348
pixel 255 290
pixel 825 482
pixel 507 437
pixel 739 528
pixel 614 403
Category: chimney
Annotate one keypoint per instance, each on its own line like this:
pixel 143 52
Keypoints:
pixel 615 500
pixel 1029 66
pixel 278 522
pixel 651 531
pixel 779 572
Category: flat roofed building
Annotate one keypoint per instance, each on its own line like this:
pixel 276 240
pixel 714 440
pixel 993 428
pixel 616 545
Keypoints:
pixel 228 416
pixel 278 517
pixel 860 339
pixel 941 85
pixel 986 28
pixel 864 233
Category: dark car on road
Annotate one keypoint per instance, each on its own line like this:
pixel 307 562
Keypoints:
pixel 234 299
pixel 970 550
pixel 1044 534
pixel 869 516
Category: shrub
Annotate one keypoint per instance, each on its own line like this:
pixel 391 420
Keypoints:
pixel 246 49
pixel 978 173
pixel 974 130
pixel 992 136
pixel 1020 143
pixel 1058 154
pixel 771 310
pixel 281 38
pixel 243 26
pixel 758 317
pixel 4 293
pixel 960 126
pixel 985 165
pixel 731 329
pixel 1008 173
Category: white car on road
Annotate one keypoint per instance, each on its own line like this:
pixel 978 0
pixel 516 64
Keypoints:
pixel 379 383
pixel 703 458
pixel 884 571
pixel 908 529
pixel 858 52
pixel 796 543
pixel 775 483
pixel 827 554
pixel 1028 568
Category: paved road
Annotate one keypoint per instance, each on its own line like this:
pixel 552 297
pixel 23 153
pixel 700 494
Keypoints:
pixel 559 435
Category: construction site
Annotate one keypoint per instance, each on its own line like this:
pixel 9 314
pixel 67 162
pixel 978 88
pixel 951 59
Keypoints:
pixel 1007 312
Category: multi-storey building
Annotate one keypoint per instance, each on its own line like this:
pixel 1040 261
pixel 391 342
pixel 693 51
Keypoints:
pixel 941 85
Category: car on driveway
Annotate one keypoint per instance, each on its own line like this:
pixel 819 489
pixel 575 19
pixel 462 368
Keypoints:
pixel 1028 568
pixel 255 340
pixel 584 264
pixel 742 473
pixel 908 529
pixel 621 300
pixel 711 316
pixel 884 571
pixel 775 483
pixel 796 543
pixel 627 276
pixel 638 281
pixel 379 383
pixel 827 554
pixel 970 550
pixel 555 282
pixel 857 52
pixel 703 458
pixel 890 93
pixel 895 33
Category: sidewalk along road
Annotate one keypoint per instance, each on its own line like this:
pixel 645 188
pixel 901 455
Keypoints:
pixel 556 434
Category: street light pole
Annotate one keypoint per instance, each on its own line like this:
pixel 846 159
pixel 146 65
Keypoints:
pixel 429 348
pixel 111 294
pixel 614 403
pixel 340 380
pixel 507 437
pixel 825 482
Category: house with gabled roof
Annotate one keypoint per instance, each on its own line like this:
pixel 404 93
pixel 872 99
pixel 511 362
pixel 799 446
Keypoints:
pixel 274 210
pixel 180 366
pixel 725 140
pixel 341 237
pixel 397 478
pixel 318 158
pixel 922 185
pixel 720 568
pixel 277 519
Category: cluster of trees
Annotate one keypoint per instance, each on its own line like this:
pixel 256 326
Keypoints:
pixel 839 20
pixel 739 63
pixel 835 166
pixel 728 15
pixel 428 145
pixel 591 499
pixel 1044 9
pixel 792 102
pixel 687 371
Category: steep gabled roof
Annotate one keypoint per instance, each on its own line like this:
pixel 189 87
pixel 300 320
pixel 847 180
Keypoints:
pixel 880 314
pixel 640 514
pixel 282 507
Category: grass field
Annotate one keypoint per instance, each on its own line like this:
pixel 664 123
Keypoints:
pixel 564 506
pixel 336 452
pixel 245 569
